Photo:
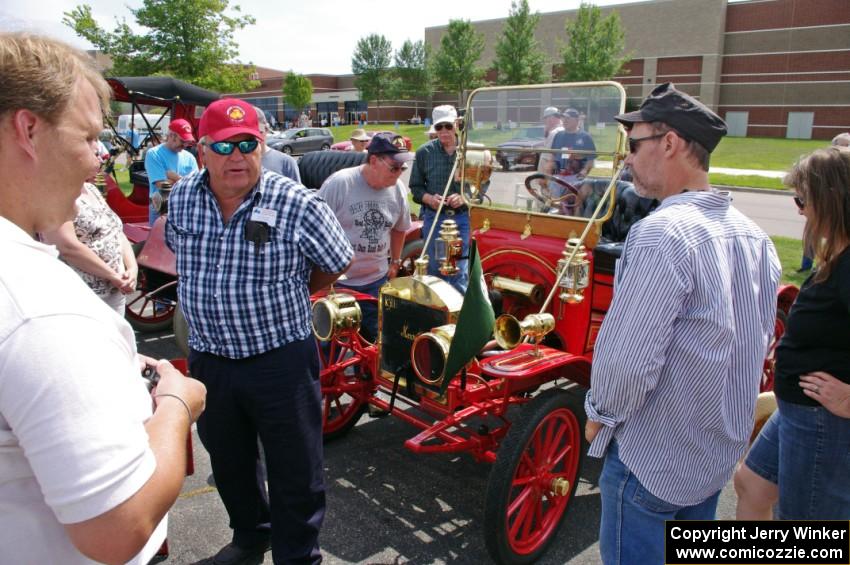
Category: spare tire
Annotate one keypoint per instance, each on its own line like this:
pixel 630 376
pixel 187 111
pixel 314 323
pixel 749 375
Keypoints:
pixel 316 166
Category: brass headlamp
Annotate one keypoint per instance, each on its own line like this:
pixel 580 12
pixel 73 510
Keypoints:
pixel 448 247
pixel 335 314
pixel 159 199
pixel 509 331
pixel 430 352
pixel 575 279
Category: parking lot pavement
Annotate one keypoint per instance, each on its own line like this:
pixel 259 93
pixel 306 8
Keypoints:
pixel 385 504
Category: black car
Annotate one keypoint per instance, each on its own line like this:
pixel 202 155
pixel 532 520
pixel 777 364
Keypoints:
pixel 514 154
pixel 297 141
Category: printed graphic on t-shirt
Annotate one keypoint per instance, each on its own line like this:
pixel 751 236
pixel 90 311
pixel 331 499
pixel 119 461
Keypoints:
pixel 374 221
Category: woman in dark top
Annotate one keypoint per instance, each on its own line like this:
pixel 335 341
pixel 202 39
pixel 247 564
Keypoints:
pixel 801 458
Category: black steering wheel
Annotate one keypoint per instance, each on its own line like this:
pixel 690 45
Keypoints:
pixel 538 184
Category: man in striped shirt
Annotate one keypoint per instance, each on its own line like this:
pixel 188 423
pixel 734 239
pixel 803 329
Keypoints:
pixel 678 362
pixel 251 247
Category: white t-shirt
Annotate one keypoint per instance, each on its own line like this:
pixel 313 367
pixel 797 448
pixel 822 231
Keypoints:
pixel 72 406
pixel 367 215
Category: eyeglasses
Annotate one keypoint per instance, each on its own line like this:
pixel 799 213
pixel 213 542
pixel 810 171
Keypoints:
pixel 635 143
pixel 227 147
pixel 438 127
pixel 394 169
pixel 801 205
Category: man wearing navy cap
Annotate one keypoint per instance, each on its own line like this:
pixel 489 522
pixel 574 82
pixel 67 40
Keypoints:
pixel 251 247
pixel 678 362
pixel 370 201
pixel 573 166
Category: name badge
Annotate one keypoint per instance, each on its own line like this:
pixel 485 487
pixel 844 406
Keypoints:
pixel 264 215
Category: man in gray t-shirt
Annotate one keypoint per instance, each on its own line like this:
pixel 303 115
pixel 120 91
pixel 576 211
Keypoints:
pixel 370 203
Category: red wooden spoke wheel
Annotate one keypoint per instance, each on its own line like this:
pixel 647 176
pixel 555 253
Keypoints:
pixel 769 372
pixel 344 376
pixel 534 477
pixel 151 308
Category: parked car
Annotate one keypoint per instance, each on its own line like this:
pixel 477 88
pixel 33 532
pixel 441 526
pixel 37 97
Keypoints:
pixel 298 141
pixel 346 145
pixel 517 154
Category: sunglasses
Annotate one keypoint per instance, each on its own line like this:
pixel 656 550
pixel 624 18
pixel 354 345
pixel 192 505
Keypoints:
pixel 395 169
pixel 227 147
pixel 799 202
pixel 634 143
pixel 439 127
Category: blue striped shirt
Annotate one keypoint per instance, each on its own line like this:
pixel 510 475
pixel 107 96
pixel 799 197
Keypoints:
pixel 678 362
pixel 238 302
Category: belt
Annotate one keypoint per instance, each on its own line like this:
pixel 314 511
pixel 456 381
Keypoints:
pixel 450 212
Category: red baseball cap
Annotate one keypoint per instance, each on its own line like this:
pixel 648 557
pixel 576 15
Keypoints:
pixel 183 130
pixel 228 117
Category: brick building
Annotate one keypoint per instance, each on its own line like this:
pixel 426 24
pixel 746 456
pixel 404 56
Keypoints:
pixel 778 68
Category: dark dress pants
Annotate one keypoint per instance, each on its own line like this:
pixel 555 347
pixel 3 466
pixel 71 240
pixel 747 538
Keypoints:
pixel 276 395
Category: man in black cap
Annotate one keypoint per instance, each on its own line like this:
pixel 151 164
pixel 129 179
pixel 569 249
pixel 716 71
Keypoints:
pixel 679 358
pixel 370 202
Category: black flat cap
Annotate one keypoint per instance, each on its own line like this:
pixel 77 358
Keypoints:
pixel 691 118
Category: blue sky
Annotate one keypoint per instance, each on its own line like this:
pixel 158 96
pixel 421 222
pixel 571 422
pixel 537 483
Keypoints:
pixel 306 36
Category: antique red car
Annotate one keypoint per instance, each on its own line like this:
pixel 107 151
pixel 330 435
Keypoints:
pixel 547 251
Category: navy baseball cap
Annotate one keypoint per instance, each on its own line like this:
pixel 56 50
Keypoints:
pixel 688 116
pixel 391 144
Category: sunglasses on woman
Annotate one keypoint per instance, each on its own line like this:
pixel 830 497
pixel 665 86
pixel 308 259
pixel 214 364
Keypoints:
pixel 799 202
pixel 227 147
pixel 439 127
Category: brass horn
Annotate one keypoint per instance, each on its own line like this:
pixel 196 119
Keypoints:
pixel 430 352
pixel 509 331
pixel 334 314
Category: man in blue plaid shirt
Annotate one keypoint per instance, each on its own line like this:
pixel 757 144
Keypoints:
pixel 251 247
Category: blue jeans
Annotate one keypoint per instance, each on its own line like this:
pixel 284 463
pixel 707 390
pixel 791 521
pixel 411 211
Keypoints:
pixel 368 310
pixel 632 528
pixel 461 280
pixel 805 450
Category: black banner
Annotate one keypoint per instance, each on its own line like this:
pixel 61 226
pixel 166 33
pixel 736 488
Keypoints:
pixel 805 542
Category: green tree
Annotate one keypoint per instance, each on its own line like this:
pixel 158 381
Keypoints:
pixel 595 46
pixel 519 59
pixel 413 71
pixel 455 62
pixel 371 66
pixel 297 90
pixel 188 39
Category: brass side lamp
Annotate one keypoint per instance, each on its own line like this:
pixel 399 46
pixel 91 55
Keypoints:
pixel 100 182
pixel 448 247
pixel 476 169
pixel 575 279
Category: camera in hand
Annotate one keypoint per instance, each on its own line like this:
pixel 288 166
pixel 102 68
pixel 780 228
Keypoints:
pixel 151 377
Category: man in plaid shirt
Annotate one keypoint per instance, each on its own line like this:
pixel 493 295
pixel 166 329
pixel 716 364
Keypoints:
pixel 251 247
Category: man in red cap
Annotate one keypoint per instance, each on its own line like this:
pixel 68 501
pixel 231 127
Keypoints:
pixel 251 247
pixel 168 162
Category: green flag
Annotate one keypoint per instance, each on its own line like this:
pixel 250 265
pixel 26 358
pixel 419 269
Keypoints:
pixel 474 323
